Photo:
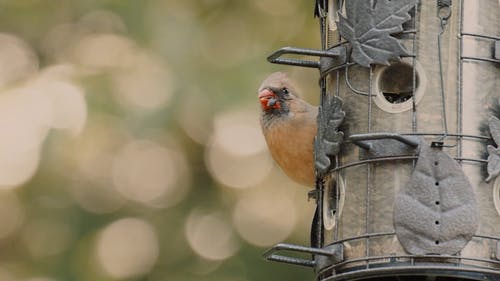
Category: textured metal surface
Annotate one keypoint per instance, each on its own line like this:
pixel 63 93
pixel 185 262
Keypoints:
pixel 328 139
pixel 458 53
pixel 322 256
pixel 388 175
pixel 384 144
pixel 276 57
pixel 444 14
pixel 368 27
pixel 497 49
pixel 395 264
pixel 494 152
pixel 377 145
pixel 413 272
pixel 385 148
pixel 320 8
pixel 329 64
pixel 337 256
pixel 497 254
pixel 436 212
pixel 444 3
pixel 479 83
pixel 488 54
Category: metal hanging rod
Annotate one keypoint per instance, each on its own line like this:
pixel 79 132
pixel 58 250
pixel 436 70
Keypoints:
pixel 334 252
pixel 480 36
pixel 480 59
pixel 358 138
pixel 332 58
pixel 401 157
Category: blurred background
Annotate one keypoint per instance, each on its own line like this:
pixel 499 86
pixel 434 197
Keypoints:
pixel 130 147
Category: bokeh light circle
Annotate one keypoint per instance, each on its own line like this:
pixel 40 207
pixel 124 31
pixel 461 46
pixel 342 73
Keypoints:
pixel 25 118
pixel 265 218
pixel 210 236
pixel 93 155
pixel 17 60
pixel 237 155
pixel 67 102
pixel 147 172
pixel 146 84
pixel 93 51
pixel 127 247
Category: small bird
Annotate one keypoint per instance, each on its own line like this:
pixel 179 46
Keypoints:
pixel 289 127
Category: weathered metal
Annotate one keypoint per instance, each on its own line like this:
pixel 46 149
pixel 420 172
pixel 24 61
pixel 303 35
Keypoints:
pixel 436 211
pixel 329 138
pixel 368 27
pixel 377 196
pixel 494 152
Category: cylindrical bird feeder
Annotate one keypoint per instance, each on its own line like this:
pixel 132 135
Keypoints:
pixel 408 146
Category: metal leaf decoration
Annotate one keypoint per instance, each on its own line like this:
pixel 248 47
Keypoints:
pixel 328 139
pixel 435 212
pixel 494 153
pixel 369 25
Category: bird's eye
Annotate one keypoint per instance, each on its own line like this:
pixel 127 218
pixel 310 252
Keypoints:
pixel 285 91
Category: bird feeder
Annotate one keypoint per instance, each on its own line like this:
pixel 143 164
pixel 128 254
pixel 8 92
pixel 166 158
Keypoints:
pixel 407 152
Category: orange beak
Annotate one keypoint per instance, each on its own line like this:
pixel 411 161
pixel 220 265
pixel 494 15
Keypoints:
pixel 268 100
pixel 266 93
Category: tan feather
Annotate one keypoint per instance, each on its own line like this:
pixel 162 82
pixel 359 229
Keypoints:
pixel 290 136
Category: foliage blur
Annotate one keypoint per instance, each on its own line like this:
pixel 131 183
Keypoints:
pixel 130 147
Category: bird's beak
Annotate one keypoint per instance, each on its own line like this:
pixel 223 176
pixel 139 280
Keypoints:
pixel 266 94
pixel 268 98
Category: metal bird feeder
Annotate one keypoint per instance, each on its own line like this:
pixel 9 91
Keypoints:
pixel 407 152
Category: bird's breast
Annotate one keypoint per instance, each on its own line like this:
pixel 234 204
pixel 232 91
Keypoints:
pixel 290 140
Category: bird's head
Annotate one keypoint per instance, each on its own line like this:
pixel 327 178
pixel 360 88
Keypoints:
pixel 276 93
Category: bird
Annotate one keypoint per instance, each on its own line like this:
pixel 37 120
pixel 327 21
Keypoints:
pixel 289 127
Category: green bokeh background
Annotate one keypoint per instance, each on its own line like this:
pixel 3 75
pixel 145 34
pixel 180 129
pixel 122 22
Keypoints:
pixel 214 52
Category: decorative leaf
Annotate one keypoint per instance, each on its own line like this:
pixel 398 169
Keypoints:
pixel 435 212
pixel 328 139
pixel 494 124
pixel 493 163
pixel 369 25
pixel 494 153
